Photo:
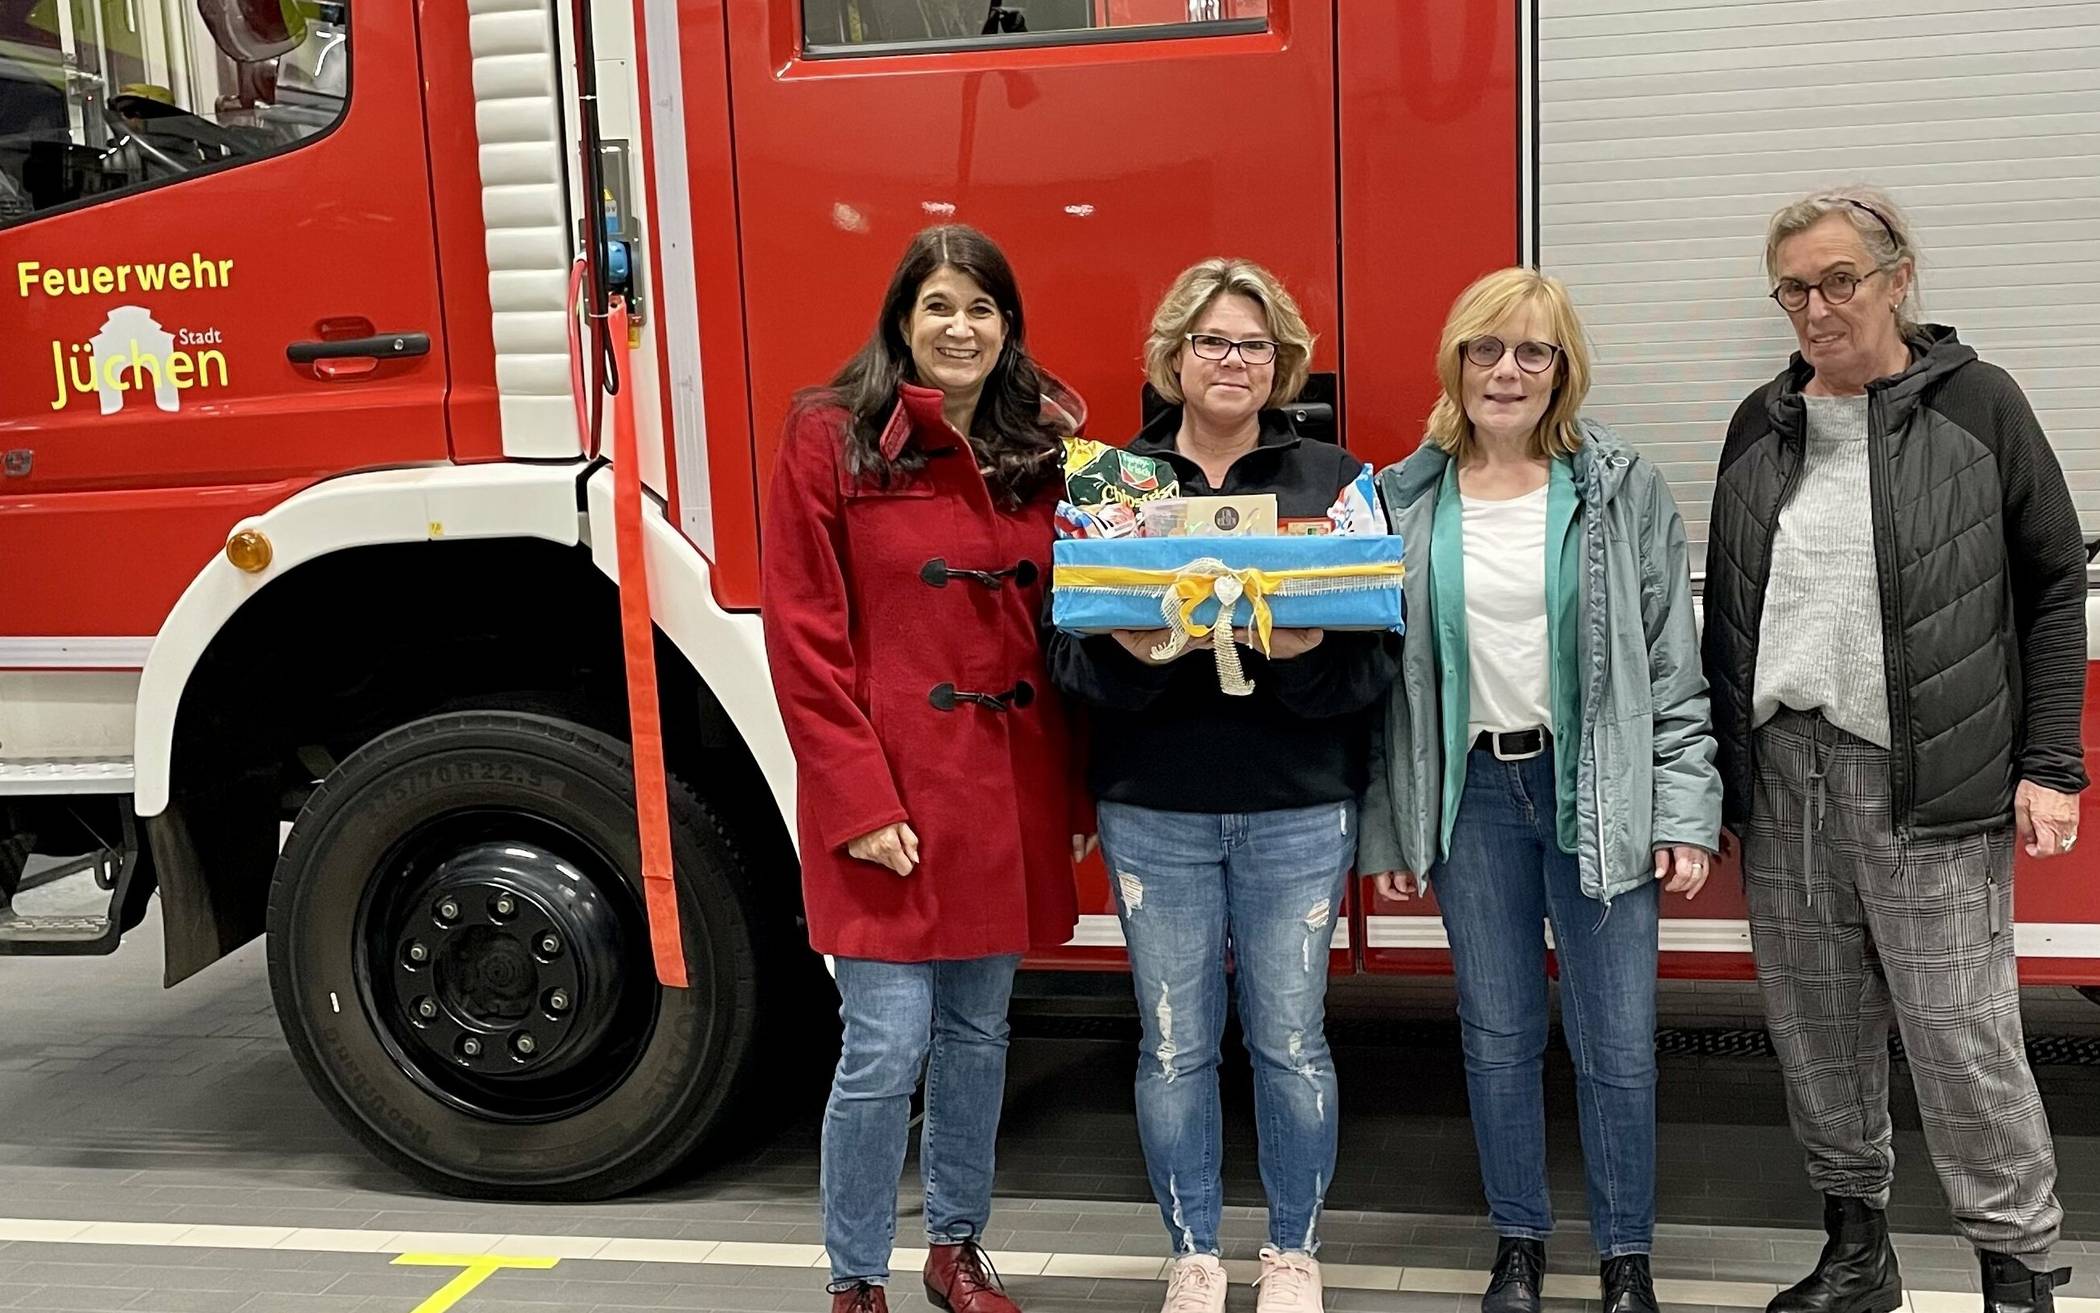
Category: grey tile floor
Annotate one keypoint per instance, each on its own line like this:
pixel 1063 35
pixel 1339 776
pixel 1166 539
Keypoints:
pixel 121 1102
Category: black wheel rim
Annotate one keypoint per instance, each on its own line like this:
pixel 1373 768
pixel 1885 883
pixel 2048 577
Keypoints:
pixel 504 963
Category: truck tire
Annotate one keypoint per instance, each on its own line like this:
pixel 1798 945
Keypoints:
pixel 459 955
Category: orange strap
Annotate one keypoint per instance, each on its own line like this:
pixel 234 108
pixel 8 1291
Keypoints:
pixel 638 634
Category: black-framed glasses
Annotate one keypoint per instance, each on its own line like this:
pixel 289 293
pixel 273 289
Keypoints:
pixel 1254 351
pixel 1837 287
pixel 1532 357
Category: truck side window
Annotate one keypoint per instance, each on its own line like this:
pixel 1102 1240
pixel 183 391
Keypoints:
pixel 867 27
pixel 102 97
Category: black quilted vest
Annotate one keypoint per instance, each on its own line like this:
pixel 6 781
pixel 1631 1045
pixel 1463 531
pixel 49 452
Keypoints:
pixel 1938 503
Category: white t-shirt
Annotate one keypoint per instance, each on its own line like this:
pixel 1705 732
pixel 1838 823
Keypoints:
pixel 1509 670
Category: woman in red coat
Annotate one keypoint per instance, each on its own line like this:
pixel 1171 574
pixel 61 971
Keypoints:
pixel 906 549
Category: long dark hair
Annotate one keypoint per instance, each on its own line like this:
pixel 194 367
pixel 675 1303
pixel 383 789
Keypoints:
pixel 1012 431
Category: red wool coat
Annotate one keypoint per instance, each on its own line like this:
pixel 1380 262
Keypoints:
pixel 862 646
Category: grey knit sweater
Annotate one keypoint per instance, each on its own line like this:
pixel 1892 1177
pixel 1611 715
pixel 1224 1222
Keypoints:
pixel 1819 645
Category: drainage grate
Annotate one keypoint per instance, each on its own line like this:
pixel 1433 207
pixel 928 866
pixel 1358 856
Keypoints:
pixel 1713 1042
pixel 2063 1050
pixel 1672 1042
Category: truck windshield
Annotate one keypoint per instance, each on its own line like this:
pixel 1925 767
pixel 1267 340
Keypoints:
pixel 100 97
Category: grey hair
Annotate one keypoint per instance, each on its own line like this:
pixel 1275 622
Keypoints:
pixel 1882 226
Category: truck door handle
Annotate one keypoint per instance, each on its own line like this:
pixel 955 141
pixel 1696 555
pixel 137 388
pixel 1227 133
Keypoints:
pixel 379 346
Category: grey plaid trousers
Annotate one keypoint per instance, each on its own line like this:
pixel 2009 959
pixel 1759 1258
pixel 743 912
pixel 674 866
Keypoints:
pixel 1850 924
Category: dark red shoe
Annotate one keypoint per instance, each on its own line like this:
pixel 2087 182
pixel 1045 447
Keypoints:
pixel 960 1278
pixel 860 1297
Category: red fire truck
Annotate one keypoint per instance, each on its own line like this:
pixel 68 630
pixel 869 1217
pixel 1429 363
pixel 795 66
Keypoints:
pixel 310 603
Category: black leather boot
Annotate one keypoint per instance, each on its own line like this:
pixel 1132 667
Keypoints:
pixel 1513 1287
pixel 2010 1286
pixel 1857 1272
pixel 1629 1287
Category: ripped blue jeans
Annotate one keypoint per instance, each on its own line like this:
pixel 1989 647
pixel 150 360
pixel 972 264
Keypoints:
pixel 1506 878
pixel 1269 884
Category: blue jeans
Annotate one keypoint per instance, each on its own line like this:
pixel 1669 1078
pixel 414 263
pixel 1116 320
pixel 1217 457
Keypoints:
pixel 949 1019
pixel 1274 880
pixel 1507 875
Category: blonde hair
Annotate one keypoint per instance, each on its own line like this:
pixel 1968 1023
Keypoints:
pixel 1882 226
pixel 1478 310
pixel 1193 292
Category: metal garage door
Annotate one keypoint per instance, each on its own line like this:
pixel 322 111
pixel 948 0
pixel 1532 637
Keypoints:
pixel 1667 132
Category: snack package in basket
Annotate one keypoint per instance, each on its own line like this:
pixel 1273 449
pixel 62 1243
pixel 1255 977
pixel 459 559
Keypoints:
pixel 1245 515
pixel 1097 474
pixel 1356 508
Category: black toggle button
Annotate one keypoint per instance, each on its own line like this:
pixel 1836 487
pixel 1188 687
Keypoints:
pixel 946 697
pixel 937 572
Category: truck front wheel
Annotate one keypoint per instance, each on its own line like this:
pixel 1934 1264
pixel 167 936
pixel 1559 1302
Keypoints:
pixel 459 955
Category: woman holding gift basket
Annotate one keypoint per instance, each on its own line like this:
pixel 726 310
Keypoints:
pixel 1547 752
pixel 907 538
pixel 1231 816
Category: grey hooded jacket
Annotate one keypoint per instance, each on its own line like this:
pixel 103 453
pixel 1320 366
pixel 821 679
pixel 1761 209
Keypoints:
pixel 1646 776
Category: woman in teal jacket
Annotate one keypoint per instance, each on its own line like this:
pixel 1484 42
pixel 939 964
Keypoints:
pixel 1547 755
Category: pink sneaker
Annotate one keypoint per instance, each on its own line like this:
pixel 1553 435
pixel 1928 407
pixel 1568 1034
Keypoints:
pixel 1289 1283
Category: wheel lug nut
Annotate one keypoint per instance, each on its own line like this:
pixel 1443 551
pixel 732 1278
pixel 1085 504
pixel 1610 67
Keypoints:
pixel 558 1001
pixel 426 1009
pixel 418 953
pixel 448 910
pixel 505 905
pixel 470 1047
pixel 526 1045
pixel 550 945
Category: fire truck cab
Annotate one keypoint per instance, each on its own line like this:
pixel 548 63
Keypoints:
pixel 308 580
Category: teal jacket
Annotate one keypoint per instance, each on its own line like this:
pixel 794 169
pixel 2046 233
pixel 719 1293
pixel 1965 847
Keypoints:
pixel 1628 691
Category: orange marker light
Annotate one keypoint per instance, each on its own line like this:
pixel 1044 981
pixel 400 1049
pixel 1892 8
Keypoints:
pixel 249 551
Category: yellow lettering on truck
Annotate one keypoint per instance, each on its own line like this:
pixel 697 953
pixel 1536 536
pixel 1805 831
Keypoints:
pixel 196 273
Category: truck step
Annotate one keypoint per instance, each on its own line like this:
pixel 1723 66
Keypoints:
pixel 56 936
pixel 125 870
pixel 43 776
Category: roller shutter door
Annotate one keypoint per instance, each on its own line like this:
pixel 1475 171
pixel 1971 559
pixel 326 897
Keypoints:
pixel 1668 133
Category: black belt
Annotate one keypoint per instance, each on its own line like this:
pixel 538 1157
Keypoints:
pixel 1516 744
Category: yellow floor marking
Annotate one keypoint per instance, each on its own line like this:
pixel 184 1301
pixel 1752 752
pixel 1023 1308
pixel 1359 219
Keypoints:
pixel 477 1268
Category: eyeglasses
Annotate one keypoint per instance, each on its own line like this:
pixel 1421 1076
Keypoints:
pixel 1532 357
pixel 1253 351
pixel 1837 288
